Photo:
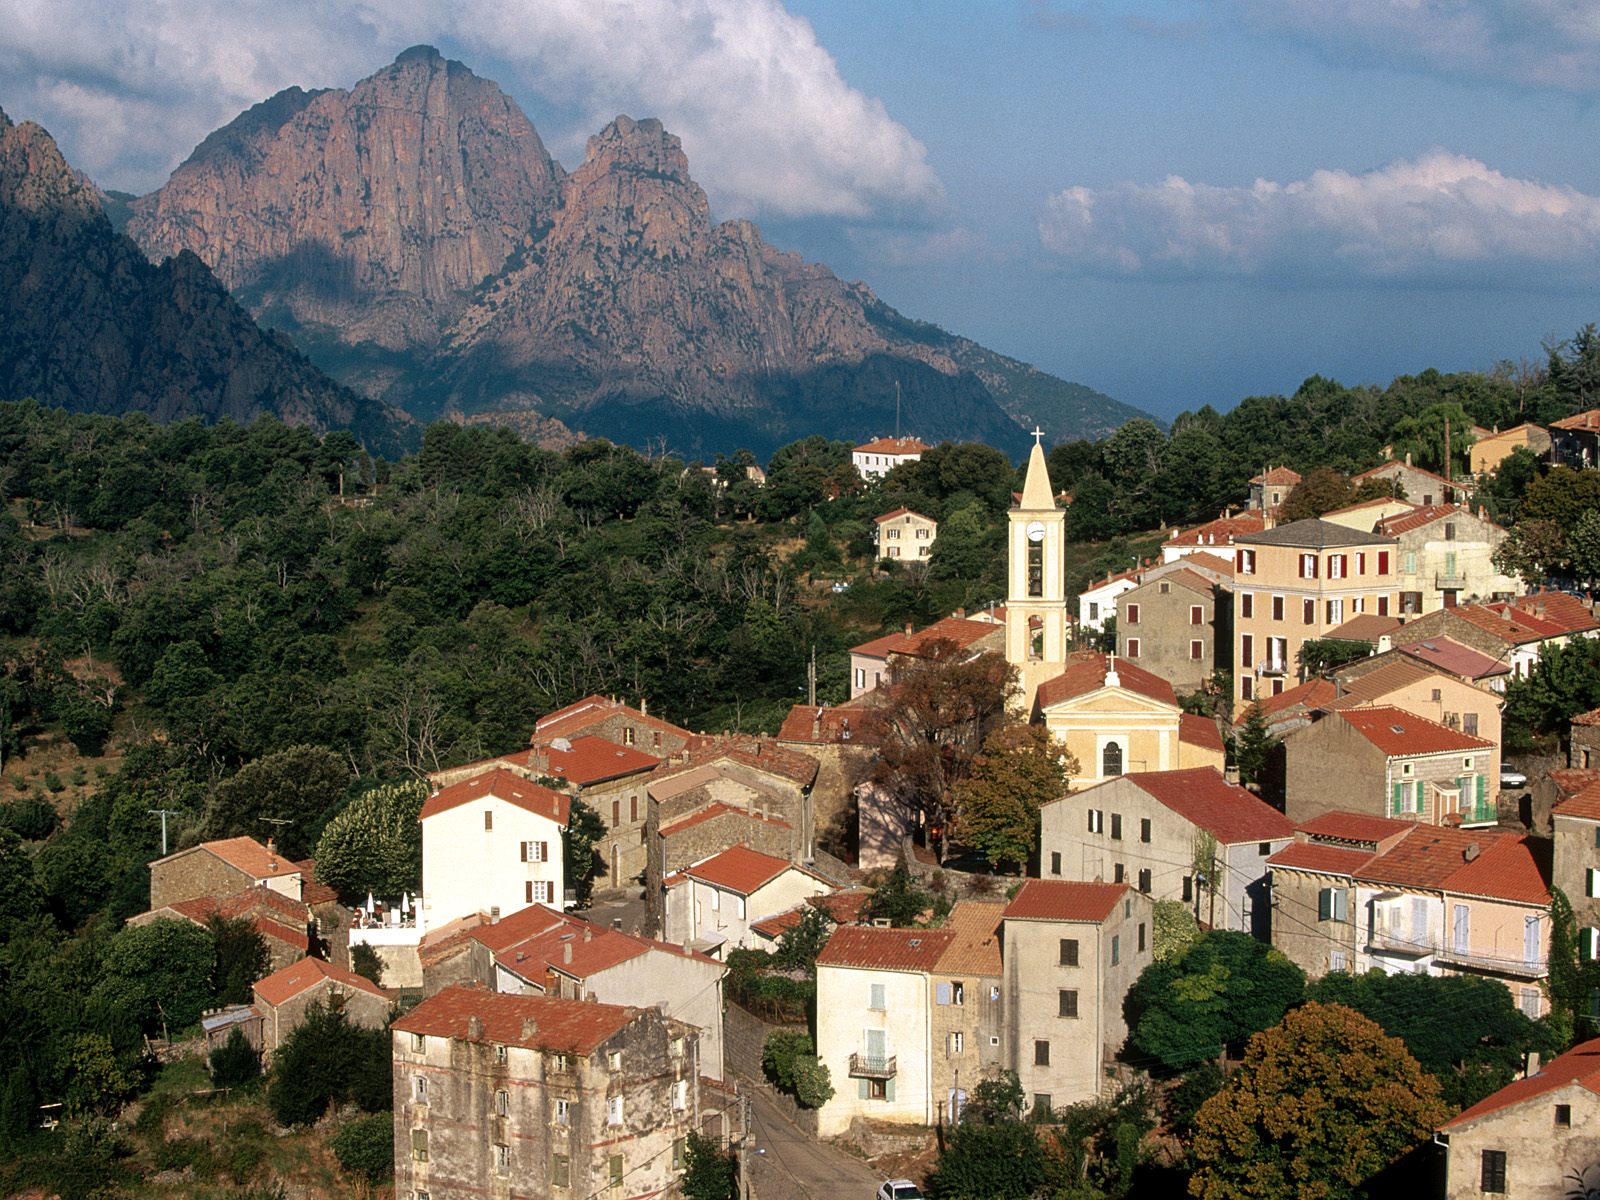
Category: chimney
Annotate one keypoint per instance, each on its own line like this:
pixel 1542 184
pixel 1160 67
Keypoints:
pixel 961 612
pixel 1471 852
pixel 566 952
pixel 816 722
pixel 474 1028
pixel 530 1029
pixel 908 628
pixel 588 933
pixel 644 707
pixel 1408 458
pixel 1532 1067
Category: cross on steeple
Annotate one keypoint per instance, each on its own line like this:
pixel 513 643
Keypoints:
pixel 1038 435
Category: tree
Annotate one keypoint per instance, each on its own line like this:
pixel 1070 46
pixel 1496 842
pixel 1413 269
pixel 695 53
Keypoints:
pixel 1173 929
pixel 799 945
pixel 1422 437
pixel 158 974
pixel 1534 549
pixel 365 1147
pixel 1583 547
pixel 1323 1103
pixel 899 899
pixel 375 844
pixel 1318 656
pixel 1478 1051
pixel 1563 682
pixel 1252 749
pixel 709 1172
pixel 1020 769
pixel 365 962
pixel 1001 1160
pixel 790 1062
pixel 326 1060
pixel 1223 988
pixel 298 785
pixel 580 863
pixel 240 958
pixel 19 892
pixel 98 1083
pixel 1320 490
pixel 236 1062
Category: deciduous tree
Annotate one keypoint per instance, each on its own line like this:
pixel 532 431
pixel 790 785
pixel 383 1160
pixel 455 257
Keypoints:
pixel 1020 769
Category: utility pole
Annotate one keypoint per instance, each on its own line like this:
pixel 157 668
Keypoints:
pixel 164 814
pixel 744 1147
pixel 811 678
pixel 1449 477
pixel 897 410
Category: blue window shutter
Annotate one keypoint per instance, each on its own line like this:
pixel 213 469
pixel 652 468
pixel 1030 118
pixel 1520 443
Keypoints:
pixel 942 993
pixel 888 1089
pixel 861 1088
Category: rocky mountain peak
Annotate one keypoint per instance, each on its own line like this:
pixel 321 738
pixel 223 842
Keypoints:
pixel 630 145
pixel 424 54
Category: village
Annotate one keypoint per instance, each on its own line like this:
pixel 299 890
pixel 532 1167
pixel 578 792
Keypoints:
pixel 551 1048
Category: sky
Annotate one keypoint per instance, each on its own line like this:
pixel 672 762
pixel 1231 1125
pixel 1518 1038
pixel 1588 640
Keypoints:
pixel 1178 202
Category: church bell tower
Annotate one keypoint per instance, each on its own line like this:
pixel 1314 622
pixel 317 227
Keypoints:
pixel 1036 600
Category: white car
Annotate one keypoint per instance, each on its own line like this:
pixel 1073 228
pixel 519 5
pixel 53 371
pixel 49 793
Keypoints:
pixel 899 1189
pixel 1510 777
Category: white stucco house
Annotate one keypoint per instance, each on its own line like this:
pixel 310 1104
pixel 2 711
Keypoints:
pixel 711 905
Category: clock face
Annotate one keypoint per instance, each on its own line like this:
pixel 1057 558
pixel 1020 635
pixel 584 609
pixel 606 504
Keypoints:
pixel 1036 532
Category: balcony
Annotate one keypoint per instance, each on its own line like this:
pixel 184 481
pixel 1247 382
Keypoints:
pixel 1401 941
pixel 1489 964
pixel 1456 582
pixel 1487 813
pixel 872 1066
pixel 1271 667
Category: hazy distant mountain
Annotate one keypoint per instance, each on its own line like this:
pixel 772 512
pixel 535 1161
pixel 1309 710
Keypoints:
pixel 87 323
pixel 416 239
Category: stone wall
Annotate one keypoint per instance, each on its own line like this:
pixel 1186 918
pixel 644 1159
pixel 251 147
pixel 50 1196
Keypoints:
pixel 198 873
pixel 744 1035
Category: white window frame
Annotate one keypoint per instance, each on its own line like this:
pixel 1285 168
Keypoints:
pixel 563 1115
pixel 614 1111
pixel 419 1089
pixel 680 1095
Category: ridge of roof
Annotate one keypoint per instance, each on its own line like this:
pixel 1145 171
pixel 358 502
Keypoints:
pixel 1061 900
pixel 297 977
pixel 1400 734
pixel 506 786
pixel 1579 1067
pixel 1204 798
pixel 1315 534
pixel 531 1022
pixel 1086 673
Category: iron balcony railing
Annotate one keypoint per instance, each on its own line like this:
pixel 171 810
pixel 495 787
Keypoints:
pixel 872 1066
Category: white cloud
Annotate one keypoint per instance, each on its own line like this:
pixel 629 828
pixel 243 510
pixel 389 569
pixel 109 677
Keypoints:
pixel 1440 219
pixel 769 123
pixel 1537 43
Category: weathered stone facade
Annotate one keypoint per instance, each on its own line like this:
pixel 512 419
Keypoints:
pixel 1179 626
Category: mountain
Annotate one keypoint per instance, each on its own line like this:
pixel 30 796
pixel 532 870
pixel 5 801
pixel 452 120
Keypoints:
pixel 88 324
pixel 415 238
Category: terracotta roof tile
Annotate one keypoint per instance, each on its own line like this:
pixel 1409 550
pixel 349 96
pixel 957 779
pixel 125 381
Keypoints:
pixel 505 786
pixel 762 753
pixel 308 973
pixel 1220 532
pixel 1354 827
pixel 1588 419
pixel 1393 675
pixel 1457 658
pixel 311 890
pixel 1578 1067
pixel 1086 673
pixel 1199 731
pixel 1312 694
pixel 975 947
pixel 839 725
pixel 1423 514
pixel 959 630
pixel 1058 900
pixel 885 949
pixel 711 813
pixel 247 855
pixel 887 445
pixel 1569 781
pixel 1365 627
pixel 1510 868
pixel 1278 475
pixel 1401 734
pixel 1201 796
pixel 1210 562
pixel 585 714
pixel 1585 803
pixel 1325 860
pixel 1504 866
pixel 901 512
pixel 533 1022
pixel 594 760
pixel 741 869
pixel 1592 717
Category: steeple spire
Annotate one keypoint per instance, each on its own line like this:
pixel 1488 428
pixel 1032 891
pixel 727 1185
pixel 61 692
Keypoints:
pixel 1036 493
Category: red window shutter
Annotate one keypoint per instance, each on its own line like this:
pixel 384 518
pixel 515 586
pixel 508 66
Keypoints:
pixel 1247 605
pixel 527 890
pixel 1309 611
pixel 1197 615
pixel 1247 652
pixel 1133 647
pixel 1196 650
pixel 1383 562
pixel 544 851
pixel 524 847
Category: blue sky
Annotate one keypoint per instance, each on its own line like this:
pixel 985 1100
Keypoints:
pixel 1178 203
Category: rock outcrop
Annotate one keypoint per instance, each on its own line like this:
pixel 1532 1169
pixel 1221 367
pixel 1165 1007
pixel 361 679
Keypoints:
pixel 89 324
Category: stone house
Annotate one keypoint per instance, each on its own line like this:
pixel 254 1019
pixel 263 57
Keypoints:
pixel 221 868
pixel 870 661
pixel 875 459
pixel 1575 865
pixel 1071 952
pixel 1424 691
pixel 1385 762
pixel 710 905
pixel 287 927
pixel 1583 740
pixel 1575 440
pixel 1446 556
pixel 967 1018
pixel 843 741
pixel 1115 716
pixel 609 718
pixel 1295 583
pixel 283 997
pixel 529 1097
pixel 491 844
pixel 1534 1137
pixel 1317 917
pixel 904 534
pixel 1178 625
pixel 1490 450
pixel 1514 631
pixel 1417 485
pixel 1149 829
pixel 1272 487
pixel 541 951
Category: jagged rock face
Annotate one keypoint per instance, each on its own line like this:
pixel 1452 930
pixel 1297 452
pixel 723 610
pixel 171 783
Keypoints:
pixel 87 323
pixel 370 211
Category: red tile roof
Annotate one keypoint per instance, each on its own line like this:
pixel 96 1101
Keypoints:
pixel 272 914
pixel 1578 1067
pixel 1278 475
pixel 1221 531
pixel 1569 781
pixel 714 811
pixel 741 869
pixel 948 629
pixel 975 947
pixel 308 973
pixel 1422 514
pixel 1382 681
pixel 844 907
pixel 885 949
pixel 1585 804
pixel 824 726
pixel 1555 612
pixel 595 760
pixel 1058 900
pixel 886 445
pixel 900 512
pixel 1457 658
pixel 1354 827
pixel 1510 868
pixel 1199 731
pixel 1210 562
pixel 1325 860
pixel 505 786
pixel 1365 627
pixel 1588 419
pixel 761 752
pixel 1592 717
pixel 1312 694
pixel 247 855
pixel 584 714
pixel 1426 857
pixel 1400 734
pixel 1086 673
pixel 1201 796
pixel 533 1022
pixel 312 891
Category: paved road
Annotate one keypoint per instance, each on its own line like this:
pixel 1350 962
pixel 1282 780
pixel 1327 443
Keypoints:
pixel 796 1167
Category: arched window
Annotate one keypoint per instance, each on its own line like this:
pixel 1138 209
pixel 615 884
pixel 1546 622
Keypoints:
pixel 1111 760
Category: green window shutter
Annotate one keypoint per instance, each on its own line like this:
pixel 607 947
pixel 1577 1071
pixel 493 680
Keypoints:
pixel 1325 904
pixel 861 1088
pixel 1395 809
pixel 888 1089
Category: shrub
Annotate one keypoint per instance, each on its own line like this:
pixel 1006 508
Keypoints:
pixel 364 961
pixel 365 1147
pixel 326 1060
pixel 52 781
pixel 32 819
pixel 790 1062
pixel 709 1173
pixel 236 1062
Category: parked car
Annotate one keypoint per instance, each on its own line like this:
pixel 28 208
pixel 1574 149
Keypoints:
pixel 841 585
pixel 1510 777
pixel 899 1189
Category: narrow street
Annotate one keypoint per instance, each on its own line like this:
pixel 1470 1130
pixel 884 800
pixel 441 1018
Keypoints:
pixel 786 1164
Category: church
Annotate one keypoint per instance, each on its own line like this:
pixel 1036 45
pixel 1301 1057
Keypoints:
pixel 1113 716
